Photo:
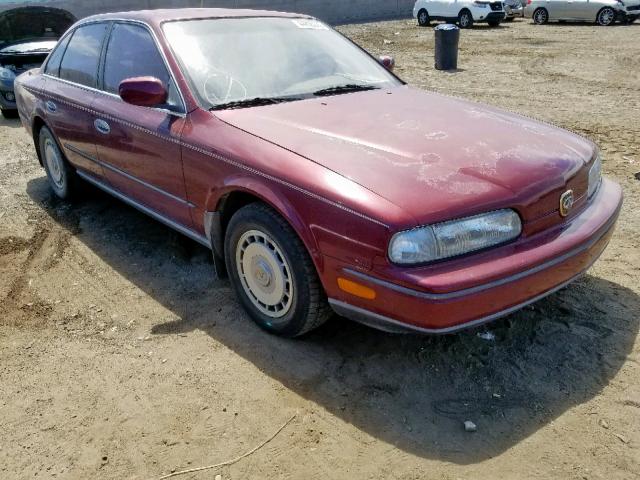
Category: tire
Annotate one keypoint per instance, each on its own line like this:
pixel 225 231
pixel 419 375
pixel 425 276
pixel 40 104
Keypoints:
pixel 282 292
pixel 423 18
pixel 509 19
pixel 540 16
pixel 63 179
pixel 494 23
pixel 606 16
pixel 465 19
pixel 10 113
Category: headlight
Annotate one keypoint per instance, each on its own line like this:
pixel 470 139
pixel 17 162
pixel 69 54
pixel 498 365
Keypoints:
pixel 6 74
pixel 456 237
pixel 481 4
pixel 595 175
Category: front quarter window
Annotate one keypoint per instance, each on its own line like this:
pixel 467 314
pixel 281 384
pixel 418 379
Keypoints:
pixel 238 59
pixel 132 52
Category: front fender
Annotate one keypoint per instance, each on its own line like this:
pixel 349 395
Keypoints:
pixel 273 195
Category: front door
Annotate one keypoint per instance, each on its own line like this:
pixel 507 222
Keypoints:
pixel 139 147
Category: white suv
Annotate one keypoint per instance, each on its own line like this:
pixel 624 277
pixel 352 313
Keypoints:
pixel 464 12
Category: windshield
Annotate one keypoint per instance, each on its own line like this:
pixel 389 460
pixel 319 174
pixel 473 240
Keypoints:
pixel 241 59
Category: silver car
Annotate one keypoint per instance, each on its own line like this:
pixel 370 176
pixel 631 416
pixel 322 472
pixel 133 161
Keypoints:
pixel 603 12
pixel 513 9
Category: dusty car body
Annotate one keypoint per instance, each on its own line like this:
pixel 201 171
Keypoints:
pixel 27 35
pixel 398 208
pixel 603 12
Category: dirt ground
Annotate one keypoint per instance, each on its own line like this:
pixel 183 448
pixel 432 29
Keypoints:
pixel 122 357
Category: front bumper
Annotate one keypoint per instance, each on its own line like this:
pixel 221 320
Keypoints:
pixel 494 284
pixel 512 12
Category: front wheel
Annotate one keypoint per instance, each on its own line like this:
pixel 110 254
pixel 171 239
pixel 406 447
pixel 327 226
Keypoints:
pixel 63 179
pixel 465 19
pixel 606 17
pixel 423 18
pixel 272 273
pixel 540 16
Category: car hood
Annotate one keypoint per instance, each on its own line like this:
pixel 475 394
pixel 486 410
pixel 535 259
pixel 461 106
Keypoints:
pixel 29 47
pixel 432 155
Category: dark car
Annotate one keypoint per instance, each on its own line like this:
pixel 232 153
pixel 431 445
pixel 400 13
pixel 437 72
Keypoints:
pixel 27 36
pixel 320 180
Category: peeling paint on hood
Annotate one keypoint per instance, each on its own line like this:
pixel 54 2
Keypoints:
pixel 425 152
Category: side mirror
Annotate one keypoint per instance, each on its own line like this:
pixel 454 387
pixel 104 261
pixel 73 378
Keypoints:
pixel 143 91
pixel 387 62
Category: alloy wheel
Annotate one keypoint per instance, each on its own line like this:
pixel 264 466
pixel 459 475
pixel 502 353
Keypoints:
pixel 606 16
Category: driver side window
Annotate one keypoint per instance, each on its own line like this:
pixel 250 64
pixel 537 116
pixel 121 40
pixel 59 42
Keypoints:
pixel 131 52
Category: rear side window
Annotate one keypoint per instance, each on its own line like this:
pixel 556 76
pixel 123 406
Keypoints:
pixel 53 64
pixel 132 52
pixel 80 61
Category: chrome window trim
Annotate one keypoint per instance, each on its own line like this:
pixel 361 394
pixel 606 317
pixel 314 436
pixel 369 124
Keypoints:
pixel 183 106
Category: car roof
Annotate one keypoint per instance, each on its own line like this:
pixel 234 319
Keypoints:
pixel 163 15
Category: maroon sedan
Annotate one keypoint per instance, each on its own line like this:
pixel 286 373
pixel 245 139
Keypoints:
pixel 319 179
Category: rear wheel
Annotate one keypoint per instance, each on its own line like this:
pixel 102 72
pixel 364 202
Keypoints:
pixel 423 18
pixel 272 273
pixel 606 17
pixel 62 177
pixel 465 19
pixel 540 16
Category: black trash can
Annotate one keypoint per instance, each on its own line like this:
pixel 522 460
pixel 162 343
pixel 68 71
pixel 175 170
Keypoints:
pixel 447 37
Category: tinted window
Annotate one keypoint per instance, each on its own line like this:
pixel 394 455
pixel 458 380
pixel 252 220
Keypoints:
pixel 80 61
pixel 132 52
pixel 53 64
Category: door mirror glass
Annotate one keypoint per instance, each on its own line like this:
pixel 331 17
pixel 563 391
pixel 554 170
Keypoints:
pixel 143 91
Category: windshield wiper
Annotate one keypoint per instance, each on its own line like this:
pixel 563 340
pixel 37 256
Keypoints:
pixel 253 102
pixel 346 88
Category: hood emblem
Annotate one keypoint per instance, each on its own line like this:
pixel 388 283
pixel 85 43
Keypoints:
pixel 566 203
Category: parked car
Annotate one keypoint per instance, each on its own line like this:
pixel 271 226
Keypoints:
pixel 513 9
pixel 463 12
pixel 320 180
pixel 27 35
pixel 603 12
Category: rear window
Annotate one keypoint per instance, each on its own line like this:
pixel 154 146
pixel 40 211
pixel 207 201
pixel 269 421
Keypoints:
pixel 80 61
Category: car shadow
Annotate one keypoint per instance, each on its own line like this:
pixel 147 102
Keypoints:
pixel 10 122
pixel 413 392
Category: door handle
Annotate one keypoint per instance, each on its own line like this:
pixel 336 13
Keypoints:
pixel 51 106
pixel 102 126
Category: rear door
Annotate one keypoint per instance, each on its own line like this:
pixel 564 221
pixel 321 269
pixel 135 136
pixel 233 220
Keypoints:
pixel 139 147
pixel 71 79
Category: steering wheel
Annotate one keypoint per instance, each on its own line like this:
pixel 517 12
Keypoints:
pixel 219 86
